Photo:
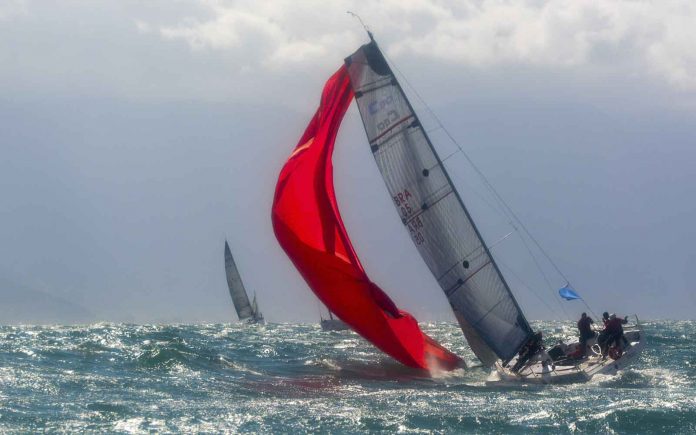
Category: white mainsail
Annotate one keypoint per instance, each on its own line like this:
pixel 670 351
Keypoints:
pixel 434 214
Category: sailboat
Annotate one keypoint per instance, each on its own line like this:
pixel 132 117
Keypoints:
pixel 247 312
pixel 309 227
pixel 333 324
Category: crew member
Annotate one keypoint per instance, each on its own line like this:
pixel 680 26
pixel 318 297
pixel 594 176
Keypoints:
pixel 602 338
pixel 613 333
pixel 533 345
pixel 586 332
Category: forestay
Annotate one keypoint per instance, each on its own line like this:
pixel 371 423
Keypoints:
pixel 234 282
pixel 433 213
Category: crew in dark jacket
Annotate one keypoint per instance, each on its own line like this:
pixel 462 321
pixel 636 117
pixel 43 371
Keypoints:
pixel 531 348
pixel 586 332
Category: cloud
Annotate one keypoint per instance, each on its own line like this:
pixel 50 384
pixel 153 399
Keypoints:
pixel 227 29
pixel 12 8
pixel 281 50
pixel 641 38
pixel 275 35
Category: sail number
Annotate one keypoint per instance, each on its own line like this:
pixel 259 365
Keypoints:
pixel 402 201
pixel 414 227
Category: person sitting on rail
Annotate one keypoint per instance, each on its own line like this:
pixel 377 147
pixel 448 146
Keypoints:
pixel 533 346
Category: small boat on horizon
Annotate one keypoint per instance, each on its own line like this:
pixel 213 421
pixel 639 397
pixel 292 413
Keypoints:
pixel 333 324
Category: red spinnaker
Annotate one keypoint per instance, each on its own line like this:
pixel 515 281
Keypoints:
pixel 309 227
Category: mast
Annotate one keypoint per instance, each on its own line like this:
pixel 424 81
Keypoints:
pixel 443 230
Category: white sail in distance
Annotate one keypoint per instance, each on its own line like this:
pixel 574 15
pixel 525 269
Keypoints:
pixel 240 299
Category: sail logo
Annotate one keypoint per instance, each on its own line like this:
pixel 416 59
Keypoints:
pixel 379 105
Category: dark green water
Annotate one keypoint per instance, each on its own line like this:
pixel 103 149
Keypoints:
pixel 296 378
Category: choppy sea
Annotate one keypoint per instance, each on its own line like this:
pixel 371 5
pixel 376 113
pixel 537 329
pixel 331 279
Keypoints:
pixel 285 378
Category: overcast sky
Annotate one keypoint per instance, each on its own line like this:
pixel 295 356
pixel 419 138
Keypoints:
pixel 136 136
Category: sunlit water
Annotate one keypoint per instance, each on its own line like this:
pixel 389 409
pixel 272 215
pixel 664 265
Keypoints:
pixel 296 378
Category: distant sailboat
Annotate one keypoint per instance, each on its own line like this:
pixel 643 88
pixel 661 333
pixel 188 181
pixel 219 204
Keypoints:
pixel 246 311
pixel 309 227
pixel 333 324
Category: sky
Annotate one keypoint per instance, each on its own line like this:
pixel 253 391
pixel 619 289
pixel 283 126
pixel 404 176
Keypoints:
pixel 135 137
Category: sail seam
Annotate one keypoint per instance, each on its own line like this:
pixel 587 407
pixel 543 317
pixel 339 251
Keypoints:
pixel 365 87
pixel 397 123
pixel 477 271
pixel 489 312
pixel 462 259
pixel 449 292
pixel 426 206
pixel 364 91
pixel 389 138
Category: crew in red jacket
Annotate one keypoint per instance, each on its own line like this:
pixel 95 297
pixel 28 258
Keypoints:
pixel 613 333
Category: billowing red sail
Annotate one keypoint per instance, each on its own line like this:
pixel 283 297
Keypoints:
pixel 309 227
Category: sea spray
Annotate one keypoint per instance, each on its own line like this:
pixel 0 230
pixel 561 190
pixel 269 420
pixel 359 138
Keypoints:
pixel 296 378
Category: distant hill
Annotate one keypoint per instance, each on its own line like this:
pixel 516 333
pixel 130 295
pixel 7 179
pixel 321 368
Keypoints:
pixel 20 304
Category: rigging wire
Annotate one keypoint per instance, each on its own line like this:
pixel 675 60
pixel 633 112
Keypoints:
pixel 524 284
pixel 496 209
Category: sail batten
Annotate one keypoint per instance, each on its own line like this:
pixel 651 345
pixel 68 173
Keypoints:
pixel 433 212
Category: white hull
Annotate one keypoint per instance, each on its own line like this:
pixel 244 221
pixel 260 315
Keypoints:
pixel 575 371
pixel 254 321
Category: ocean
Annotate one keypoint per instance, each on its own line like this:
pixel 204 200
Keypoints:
pixel 295 378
